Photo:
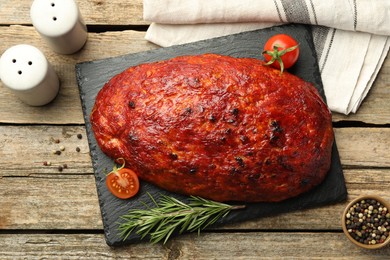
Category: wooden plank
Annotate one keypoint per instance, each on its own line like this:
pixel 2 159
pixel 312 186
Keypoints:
pixel 94 12
pixel 237 245
pixel 366 147
pixel 70 202
pixel 375 109
pixel 30 146
pixel 49 203
pixel 73 246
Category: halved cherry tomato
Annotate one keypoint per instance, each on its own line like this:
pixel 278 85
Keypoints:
pixel 122 182
pixel 281 48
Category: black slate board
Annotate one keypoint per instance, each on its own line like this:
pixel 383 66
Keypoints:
pixel 91 77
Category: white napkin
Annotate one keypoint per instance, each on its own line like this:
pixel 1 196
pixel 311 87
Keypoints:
pixel 350 36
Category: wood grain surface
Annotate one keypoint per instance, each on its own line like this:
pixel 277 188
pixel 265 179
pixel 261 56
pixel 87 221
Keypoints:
pixel 94 12
pixel 50 214
pixel 231 245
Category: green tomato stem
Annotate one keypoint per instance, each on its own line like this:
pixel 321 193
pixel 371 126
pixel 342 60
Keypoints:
pixel 276 55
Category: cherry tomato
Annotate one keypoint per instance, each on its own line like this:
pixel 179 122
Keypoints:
pixel 122 182
pixel 281 48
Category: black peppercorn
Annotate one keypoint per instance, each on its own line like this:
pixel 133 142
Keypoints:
pixel 234 171
pixel 244 139
pixel 173 156
pixel 240 161
pixel 235 111
pixel 228 131
pixel 131 104
pixel 133 137
pixel 212 118
pixel 275 127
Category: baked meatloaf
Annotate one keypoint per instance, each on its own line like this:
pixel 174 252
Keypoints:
pixel 223 128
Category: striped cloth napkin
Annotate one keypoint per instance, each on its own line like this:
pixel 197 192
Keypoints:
pixel 350 36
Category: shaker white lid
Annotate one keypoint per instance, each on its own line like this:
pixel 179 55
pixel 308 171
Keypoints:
pixel 54 18
pixel 23 67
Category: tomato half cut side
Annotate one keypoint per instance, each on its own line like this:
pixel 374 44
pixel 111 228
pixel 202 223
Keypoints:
pixel 122 182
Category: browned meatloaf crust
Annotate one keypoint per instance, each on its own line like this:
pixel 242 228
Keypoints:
pixel 223 128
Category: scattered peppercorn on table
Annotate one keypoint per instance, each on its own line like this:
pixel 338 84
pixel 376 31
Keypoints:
pixel 48 200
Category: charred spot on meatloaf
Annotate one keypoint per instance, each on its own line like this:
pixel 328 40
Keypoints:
pixel 223 128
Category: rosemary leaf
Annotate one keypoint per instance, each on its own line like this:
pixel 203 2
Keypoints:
pixel 170 215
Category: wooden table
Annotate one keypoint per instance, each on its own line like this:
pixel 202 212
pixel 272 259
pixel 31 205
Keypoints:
pixel 47 213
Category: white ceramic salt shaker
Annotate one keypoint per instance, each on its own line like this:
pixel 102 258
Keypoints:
pixel 60 24
pixel 27 73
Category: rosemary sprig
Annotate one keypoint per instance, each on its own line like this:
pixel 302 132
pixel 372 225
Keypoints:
pixel 171 214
